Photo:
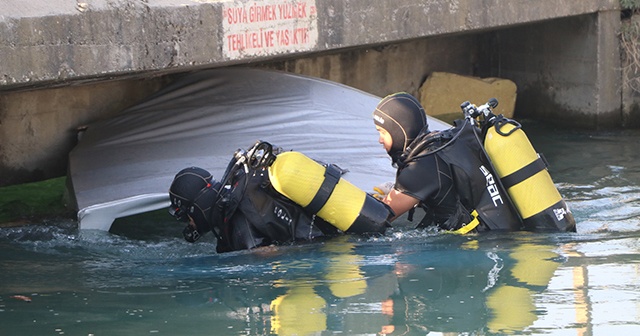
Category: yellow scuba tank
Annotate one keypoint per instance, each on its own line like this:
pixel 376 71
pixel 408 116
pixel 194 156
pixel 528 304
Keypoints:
pixel 321 190
pixel 525 177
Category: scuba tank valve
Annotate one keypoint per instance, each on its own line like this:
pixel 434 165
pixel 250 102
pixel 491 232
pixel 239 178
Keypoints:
pixel 472 111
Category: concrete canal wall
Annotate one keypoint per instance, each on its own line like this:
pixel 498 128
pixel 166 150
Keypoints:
pixel 67 63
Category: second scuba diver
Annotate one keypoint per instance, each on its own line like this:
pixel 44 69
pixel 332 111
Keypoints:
pixel 449 175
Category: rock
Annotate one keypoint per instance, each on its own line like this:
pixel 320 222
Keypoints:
pixel 442 93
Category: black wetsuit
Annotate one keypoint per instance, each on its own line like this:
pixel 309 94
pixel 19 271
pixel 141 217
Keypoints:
pixel 253 214
pixel 430 180
pixel 451 176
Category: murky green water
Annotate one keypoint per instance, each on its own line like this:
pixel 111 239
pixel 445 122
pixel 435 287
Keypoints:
pixel 147 280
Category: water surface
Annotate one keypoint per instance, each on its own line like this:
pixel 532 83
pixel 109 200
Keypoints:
pixel 144 279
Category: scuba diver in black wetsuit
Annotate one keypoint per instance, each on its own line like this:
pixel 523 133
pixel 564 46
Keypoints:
pixel 246 209
pixel 254 217
pixel 450 176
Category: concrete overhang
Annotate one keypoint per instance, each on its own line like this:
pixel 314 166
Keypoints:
pixel 56 42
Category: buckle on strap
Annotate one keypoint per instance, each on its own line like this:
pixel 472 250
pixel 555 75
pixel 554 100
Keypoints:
pixel 470 226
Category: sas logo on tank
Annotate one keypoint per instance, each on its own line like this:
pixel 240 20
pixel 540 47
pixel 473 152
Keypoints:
pixel 269 27
pixel 560 213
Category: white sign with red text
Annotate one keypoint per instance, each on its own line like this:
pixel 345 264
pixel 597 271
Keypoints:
pixel 262 28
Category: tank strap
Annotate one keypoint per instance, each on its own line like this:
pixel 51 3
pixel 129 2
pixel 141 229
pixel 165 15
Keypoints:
pixel 525 172
pixel 332 175
pixel 470 226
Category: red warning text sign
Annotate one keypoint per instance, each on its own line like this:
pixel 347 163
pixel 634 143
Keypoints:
pixel 261 28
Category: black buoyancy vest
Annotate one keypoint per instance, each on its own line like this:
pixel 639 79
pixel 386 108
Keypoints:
pixel 254 214
pixel 475 181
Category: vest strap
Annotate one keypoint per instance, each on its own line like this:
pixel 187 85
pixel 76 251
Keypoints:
pixel 470 226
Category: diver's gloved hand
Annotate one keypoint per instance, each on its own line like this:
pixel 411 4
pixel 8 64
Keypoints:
pixel 381 190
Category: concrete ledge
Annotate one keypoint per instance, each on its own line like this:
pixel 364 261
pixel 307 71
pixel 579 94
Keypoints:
pixel 45 42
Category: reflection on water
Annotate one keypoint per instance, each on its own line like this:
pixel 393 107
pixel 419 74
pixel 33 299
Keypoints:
pixel 146 280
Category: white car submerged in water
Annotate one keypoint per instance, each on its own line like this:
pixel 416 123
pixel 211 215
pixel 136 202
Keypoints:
pixel 124 166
